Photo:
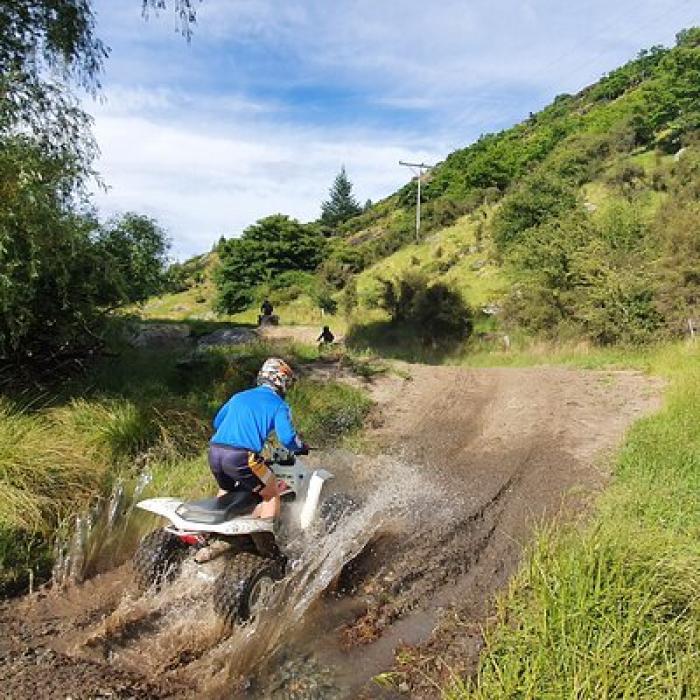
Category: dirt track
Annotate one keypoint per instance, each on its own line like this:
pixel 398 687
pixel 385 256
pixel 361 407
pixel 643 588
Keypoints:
pixel 497 450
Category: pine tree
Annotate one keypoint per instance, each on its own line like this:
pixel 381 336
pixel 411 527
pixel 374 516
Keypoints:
pixel 341 204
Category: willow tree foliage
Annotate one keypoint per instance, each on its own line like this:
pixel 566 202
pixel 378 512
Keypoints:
pixel 58 269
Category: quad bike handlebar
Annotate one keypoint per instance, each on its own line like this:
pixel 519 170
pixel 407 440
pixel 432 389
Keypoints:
pixel 285 457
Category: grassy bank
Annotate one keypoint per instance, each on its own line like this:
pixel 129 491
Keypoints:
pixel 141 411
pixel 613 610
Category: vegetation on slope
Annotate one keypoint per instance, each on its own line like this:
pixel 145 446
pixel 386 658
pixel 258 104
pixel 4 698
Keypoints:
pixel 565 223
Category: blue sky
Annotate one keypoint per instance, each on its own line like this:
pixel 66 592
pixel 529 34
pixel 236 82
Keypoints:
pixel 259 111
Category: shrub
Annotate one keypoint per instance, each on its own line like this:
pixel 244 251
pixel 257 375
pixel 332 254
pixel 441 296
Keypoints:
pixel 678 272
pixel 436 312
pixel 540 198
pixel 348 300
pixel 594 275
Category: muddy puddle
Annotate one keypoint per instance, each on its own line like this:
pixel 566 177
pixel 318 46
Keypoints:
pixel 295 648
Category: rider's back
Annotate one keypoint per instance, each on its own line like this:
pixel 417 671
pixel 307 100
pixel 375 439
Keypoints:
pixel 248 417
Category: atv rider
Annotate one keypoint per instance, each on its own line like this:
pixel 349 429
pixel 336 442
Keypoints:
pixel 242 426
pixel 266 308
pixel 326 337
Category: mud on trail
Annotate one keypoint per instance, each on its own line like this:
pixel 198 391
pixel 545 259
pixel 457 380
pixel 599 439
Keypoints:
pixel 462 465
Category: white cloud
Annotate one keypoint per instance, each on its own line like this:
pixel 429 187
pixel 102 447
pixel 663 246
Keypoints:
pixel 200 184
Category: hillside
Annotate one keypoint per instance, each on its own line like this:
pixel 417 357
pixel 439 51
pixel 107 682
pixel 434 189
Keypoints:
pixel 568 223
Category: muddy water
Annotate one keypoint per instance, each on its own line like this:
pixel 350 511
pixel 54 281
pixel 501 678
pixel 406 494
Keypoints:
pixel 294 644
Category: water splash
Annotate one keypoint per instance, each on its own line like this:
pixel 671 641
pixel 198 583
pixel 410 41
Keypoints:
pixel 176 632
pixel 95 540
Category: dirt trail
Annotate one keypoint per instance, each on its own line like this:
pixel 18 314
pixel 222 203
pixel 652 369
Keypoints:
pixel 495 452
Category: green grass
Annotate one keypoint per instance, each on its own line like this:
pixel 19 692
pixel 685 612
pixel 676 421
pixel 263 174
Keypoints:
pixel 451 255
pixel 525 352
pixel 43 472
pixel 612 609
pixel 328 411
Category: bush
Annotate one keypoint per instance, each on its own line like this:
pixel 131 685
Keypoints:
pixel 436 312
pixel 349 300
pixel 678 273
pixel 539 198
pixel 591 275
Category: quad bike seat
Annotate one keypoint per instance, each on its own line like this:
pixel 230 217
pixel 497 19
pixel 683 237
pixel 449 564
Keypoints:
pixel 213 511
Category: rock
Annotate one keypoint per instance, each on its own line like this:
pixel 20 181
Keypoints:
pixel 590 207
pixel 492 309
pixel 160 335
pixel 225 336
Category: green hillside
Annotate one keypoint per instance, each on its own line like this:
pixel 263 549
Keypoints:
pixel 569 224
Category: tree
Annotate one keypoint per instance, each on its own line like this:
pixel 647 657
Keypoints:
pixel 133 252
pixel 271 246
pixel 341 204
pixel 58 271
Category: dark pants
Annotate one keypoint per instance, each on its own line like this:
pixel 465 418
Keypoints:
pixel 229 466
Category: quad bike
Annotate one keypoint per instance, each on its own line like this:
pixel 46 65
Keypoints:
pixel 254 562
pixel 268 320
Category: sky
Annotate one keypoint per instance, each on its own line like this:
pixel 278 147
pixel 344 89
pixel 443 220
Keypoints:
pixel 257 113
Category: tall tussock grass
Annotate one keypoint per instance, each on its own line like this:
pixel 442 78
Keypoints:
pixel 120 430
pixel 44 472
pixel 603 614
pixel 613 610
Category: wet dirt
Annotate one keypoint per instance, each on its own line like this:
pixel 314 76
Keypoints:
pixel 460 465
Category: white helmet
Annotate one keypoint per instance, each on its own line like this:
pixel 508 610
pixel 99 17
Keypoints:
pixel 277 374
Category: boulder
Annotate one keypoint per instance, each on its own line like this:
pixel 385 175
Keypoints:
pixel 160 335
pixel 225 336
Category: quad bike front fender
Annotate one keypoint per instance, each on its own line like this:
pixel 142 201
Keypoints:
pixel 313 496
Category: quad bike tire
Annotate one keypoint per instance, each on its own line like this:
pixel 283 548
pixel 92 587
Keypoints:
pixel 243 587
pixel 335 508
pixel 157 559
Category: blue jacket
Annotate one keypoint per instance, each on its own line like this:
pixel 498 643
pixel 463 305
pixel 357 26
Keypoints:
pixel 247 419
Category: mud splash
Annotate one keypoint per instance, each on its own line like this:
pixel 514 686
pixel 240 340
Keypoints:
pixel 175 633
pixel 100 537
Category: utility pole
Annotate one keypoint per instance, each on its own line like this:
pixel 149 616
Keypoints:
pixel 421 168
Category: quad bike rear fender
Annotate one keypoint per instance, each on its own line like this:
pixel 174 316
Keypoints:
pixel 240 525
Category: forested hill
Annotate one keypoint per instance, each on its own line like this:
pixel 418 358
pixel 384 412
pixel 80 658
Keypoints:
pixel 584 218
pixel 651 102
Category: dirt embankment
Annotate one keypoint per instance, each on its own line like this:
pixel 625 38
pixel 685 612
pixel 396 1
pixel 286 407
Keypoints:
pixel 488 453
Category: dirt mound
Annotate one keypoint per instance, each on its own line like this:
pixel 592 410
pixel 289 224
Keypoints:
pixel 480 457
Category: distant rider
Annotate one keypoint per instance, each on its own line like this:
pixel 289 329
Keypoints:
pixel 242 426
pixel 266 308
pixel 326 337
